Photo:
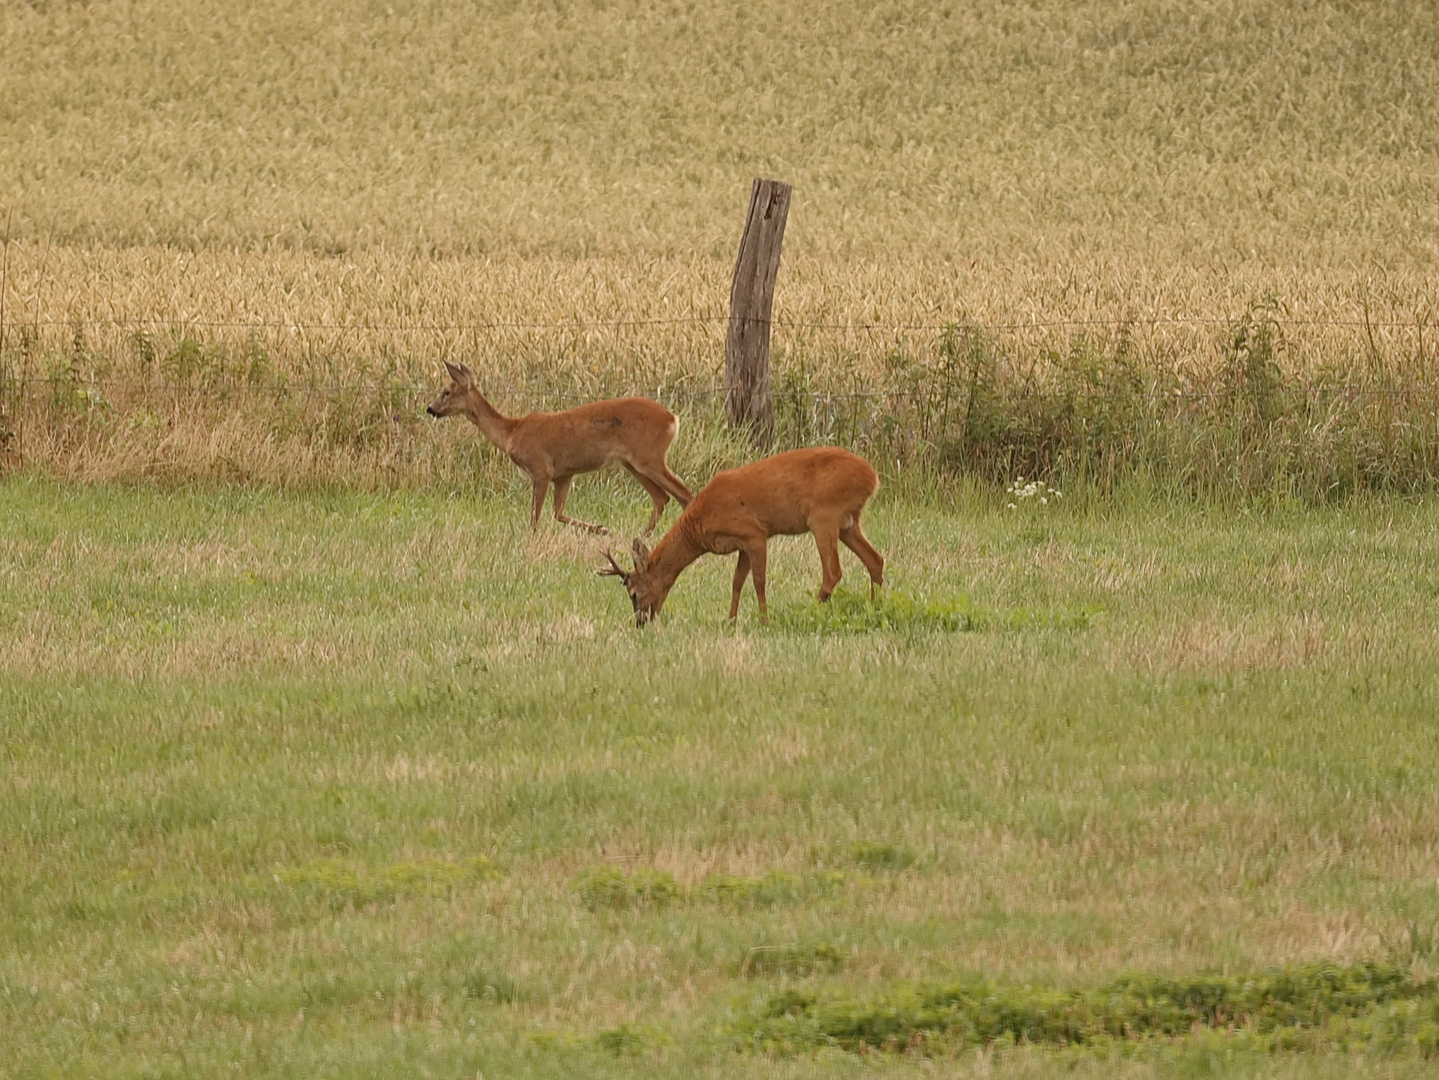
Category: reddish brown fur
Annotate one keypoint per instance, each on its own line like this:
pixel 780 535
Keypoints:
pixel 822 490
pixel 556 447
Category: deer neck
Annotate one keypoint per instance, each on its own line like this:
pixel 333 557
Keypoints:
pixel 675 551
pixel 495 426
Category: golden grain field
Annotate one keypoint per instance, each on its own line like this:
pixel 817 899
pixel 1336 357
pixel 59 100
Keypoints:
pixel 554 193
pixel 1219 130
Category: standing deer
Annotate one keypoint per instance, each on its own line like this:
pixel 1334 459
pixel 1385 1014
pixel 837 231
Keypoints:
pixel 821 490
pixel 633 432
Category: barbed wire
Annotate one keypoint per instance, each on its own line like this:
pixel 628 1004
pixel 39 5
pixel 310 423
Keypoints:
pixel 672 391
pixel 183 322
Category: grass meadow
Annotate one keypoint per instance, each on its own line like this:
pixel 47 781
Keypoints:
pixel 315 763
pixel 380 784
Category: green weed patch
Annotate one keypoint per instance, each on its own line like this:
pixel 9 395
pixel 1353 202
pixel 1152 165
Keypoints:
pixel 490 986
pixel 902 610
pixel 1359 1007
pixel 608 887
pixel 630 1040
pixel 877 855
pixel 770 889
pixel 775 887
pixel 798 961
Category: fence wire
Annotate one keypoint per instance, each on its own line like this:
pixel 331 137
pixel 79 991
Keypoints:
pixel 661 393
pixel 1115 323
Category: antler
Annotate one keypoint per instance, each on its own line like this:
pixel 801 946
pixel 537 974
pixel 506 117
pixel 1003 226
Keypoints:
pixel 614 569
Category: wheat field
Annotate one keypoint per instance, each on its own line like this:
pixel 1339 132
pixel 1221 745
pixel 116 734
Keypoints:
pixel 1291 134
pixel 198 197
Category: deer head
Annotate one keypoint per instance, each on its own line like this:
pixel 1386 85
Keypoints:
pixel 647 592
pixel 451 399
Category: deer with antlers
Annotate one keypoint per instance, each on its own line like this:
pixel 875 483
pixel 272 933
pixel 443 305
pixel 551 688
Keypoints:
pixel 556 447
pixel 822 490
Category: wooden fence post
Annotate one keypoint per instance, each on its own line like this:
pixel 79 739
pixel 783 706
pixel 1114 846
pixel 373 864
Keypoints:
pixel 746 369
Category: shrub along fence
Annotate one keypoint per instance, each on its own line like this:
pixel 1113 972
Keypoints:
pixel 1238 410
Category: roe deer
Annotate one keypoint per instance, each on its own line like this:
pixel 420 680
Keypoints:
pixel 633 432
pixel 821 490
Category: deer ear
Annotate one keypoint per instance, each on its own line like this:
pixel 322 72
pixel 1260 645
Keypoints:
pixel 456 373
pixel 642 556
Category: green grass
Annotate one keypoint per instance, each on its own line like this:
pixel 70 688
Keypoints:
pixel 372 785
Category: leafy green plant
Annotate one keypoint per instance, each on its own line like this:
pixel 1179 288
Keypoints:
pixel 900 609
pixel 1362 1002
pixel 630 1040
pixel 610 888
pixel 774 887
pixel 814 958
pixel 1251 370
pixel 500 989
pixel 877 855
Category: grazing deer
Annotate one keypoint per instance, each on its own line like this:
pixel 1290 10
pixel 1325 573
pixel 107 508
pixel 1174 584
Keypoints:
pixel 633 432
pixel 821 491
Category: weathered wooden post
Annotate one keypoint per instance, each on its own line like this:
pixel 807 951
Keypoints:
pixel 751 297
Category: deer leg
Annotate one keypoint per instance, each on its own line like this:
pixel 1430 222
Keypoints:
pixel 675 486
pixel 666 481
pixel 757 558
pixel 741 571
pixel 562 492
pixel 657 494
pixel 541 484
pixel 827 539
pixel 873 560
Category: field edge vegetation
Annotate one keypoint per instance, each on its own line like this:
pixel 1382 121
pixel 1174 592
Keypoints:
pixel 958 400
